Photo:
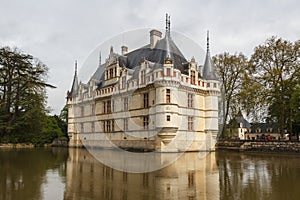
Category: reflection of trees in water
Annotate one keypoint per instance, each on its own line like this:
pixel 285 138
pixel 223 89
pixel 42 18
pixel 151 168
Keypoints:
pixel 22 171
pixel 249 176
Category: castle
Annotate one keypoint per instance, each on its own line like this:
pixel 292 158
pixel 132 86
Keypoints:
pixel 151 98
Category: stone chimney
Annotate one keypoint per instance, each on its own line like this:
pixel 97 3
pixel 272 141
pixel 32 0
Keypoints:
pixel 124 50
pixel 155 35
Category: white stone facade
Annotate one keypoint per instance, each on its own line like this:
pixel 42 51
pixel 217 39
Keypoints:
pixel 148 107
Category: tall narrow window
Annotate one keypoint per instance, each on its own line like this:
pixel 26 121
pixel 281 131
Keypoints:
pixel 146 100
pixel 190 100
pixel 108 106
pixel 93 127
pixel 193 77
pixel 125 101
pixel 123 82
pixel 143 77
pixel 93 109
pixel 111 73
pixel 168 96
pixel 104 107
pixel 112 125
pixel 104 126
pixel 168 72
pixel 126 124
pixel 146 122
pixel 190 123
pixel 107 126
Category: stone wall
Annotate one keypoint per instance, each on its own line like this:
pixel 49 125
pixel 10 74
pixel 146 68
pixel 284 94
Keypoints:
pixel 260 146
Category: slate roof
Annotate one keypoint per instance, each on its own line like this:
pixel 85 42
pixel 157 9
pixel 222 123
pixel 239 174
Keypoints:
pixel 264 127
pixel 164 48
pixel 209 72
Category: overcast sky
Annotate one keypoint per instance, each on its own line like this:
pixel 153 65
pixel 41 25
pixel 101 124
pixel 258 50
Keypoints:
pixel 60 32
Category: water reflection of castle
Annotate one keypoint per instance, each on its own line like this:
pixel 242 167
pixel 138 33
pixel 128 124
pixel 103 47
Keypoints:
pixel 187 178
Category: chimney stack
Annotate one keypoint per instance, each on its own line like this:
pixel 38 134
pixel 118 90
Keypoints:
pixel 124 50
pixel 155 35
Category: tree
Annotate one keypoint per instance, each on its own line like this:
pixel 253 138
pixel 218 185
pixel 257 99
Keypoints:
pixel 274 73
pixel 231 69
pixel 22 95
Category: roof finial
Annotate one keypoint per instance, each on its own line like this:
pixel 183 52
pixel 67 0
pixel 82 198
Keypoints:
pixel 99 58
pixel 75 68
pixel 207 40
pixel 168 24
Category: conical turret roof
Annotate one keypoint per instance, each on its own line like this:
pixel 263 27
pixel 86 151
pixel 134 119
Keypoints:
pixel 209 72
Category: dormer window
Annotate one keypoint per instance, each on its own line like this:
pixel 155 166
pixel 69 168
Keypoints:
pixel 193 77
pixel 168 72
pixel 143 77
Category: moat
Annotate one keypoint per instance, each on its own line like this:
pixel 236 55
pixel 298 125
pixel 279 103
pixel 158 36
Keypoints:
pixel 61 173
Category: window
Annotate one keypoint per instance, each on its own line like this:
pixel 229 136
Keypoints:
pixel 125 103
pixel 215 85
pixel 168 72
pixel 125 124
pixel 146 122
pixel 174 74
pixel 112 125
pixel 193 77
pixel 104 107
pixel 207 84
pixel 146 100
pixel 111 73
pixel 168 96
pixel 143 77
pixel 107 106
pixel 168 118
pixel 190 123
pixel 107 126
pixel 190 100
pixel 123 82
pixel 93 109
pixel 93 127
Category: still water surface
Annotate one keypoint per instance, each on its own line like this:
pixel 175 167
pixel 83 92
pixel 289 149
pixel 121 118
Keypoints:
pixel 60 173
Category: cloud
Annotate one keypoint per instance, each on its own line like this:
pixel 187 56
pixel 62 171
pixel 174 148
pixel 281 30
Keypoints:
pixel 59 32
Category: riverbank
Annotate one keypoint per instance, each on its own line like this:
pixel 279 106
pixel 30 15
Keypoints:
pixel 17 146
pixel 259 146
pixel 55 143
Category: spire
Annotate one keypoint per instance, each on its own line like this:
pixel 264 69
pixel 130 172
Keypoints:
pixel 99 58
pixel 168 25
pixel 209 69
pixel 207 41
pixel 75 75
pixel 74 89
